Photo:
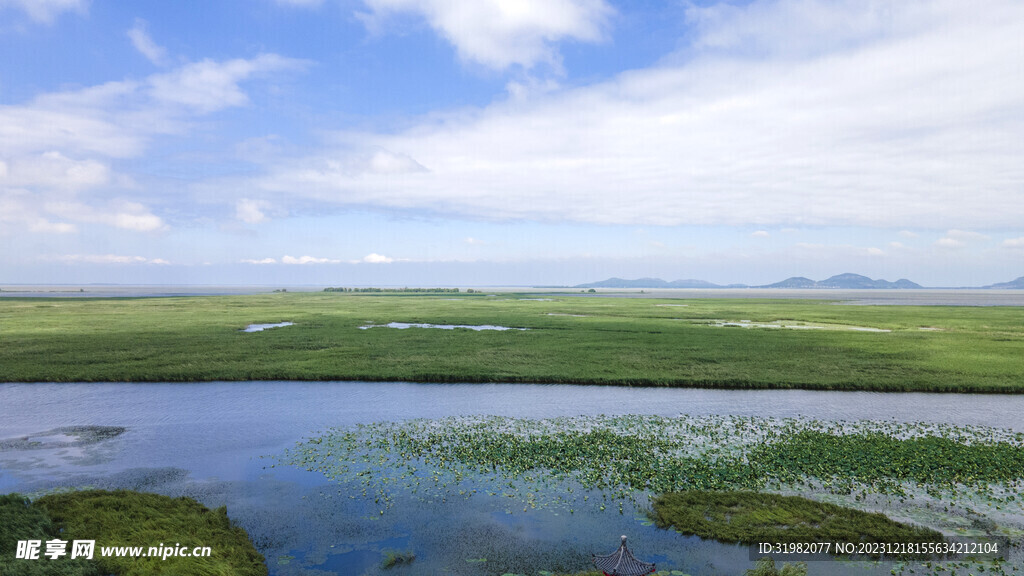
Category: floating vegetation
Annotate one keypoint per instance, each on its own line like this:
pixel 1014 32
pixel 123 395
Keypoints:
pixel 600 462
pixel 766 567
pixel 394 558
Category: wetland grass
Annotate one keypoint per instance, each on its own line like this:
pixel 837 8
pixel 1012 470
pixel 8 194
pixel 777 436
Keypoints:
pixel 619 341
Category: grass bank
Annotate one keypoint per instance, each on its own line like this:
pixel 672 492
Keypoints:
pixel 786 344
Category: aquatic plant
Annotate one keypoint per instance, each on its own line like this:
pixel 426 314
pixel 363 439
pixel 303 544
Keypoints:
pixel 766 567
pixel 628 454
pixel 394 558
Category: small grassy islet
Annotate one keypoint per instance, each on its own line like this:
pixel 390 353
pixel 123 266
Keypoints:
pixel 752 517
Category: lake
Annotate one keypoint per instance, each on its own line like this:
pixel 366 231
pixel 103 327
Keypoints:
pixel 210 440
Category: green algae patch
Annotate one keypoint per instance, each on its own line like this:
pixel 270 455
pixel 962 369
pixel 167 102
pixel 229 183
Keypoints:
pixel 753 517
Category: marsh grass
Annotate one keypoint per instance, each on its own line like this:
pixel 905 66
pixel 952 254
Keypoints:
pixel 571 340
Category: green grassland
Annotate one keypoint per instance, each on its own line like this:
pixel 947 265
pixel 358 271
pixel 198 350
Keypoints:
pixel 571 339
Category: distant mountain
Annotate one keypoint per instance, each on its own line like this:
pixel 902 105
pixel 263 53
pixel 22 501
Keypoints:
pixel 844 282
pixel 1017 284
pixel 856 281
pixel 840 281
pixel 794 282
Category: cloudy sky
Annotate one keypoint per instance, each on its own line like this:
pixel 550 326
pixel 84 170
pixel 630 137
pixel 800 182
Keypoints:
pixel 497 142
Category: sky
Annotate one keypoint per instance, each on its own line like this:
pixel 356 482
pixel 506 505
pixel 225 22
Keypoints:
pixel 510 142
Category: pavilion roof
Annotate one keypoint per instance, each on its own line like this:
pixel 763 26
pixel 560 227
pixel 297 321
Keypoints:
pixel 622 563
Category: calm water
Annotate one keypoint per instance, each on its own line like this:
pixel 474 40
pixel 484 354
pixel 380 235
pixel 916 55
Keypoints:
pixel 207 440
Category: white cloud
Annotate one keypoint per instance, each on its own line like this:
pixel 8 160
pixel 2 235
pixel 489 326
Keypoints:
pixel 500 33
pixel 119 214
pixel 875 251
pixel 136 218
pixel 966 235
pixel 897 245
pixel 262 261
pixel 899 122
pixel 307 260
pixel 109 259
pixel 56 150
pixel 251 211
pixel 303 3
pixel 760 234
pixel 959 238
pixel 44 226
pixel 53 170
pixel 1014 242
pixel 908 234
pixel 208 86
pixel 384 162
pixel 375 258
pixel 46 11
pixel 145 45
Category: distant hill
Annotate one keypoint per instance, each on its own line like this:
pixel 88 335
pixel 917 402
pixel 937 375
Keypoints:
pixel 794 282
pixel 841 281
pixel 1017 284
pixel 846 281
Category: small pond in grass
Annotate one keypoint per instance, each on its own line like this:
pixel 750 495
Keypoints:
pixel 210 441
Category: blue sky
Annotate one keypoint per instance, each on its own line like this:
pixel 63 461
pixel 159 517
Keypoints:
pixel 495 142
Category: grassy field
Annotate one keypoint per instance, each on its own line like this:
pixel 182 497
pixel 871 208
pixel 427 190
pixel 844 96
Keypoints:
pixel 570 340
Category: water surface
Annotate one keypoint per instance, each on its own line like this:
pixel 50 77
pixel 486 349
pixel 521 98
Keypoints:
pixel 207 440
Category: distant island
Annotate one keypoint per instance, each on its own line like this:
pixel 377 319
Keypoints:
pixel 1017 284
pixel 847 281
